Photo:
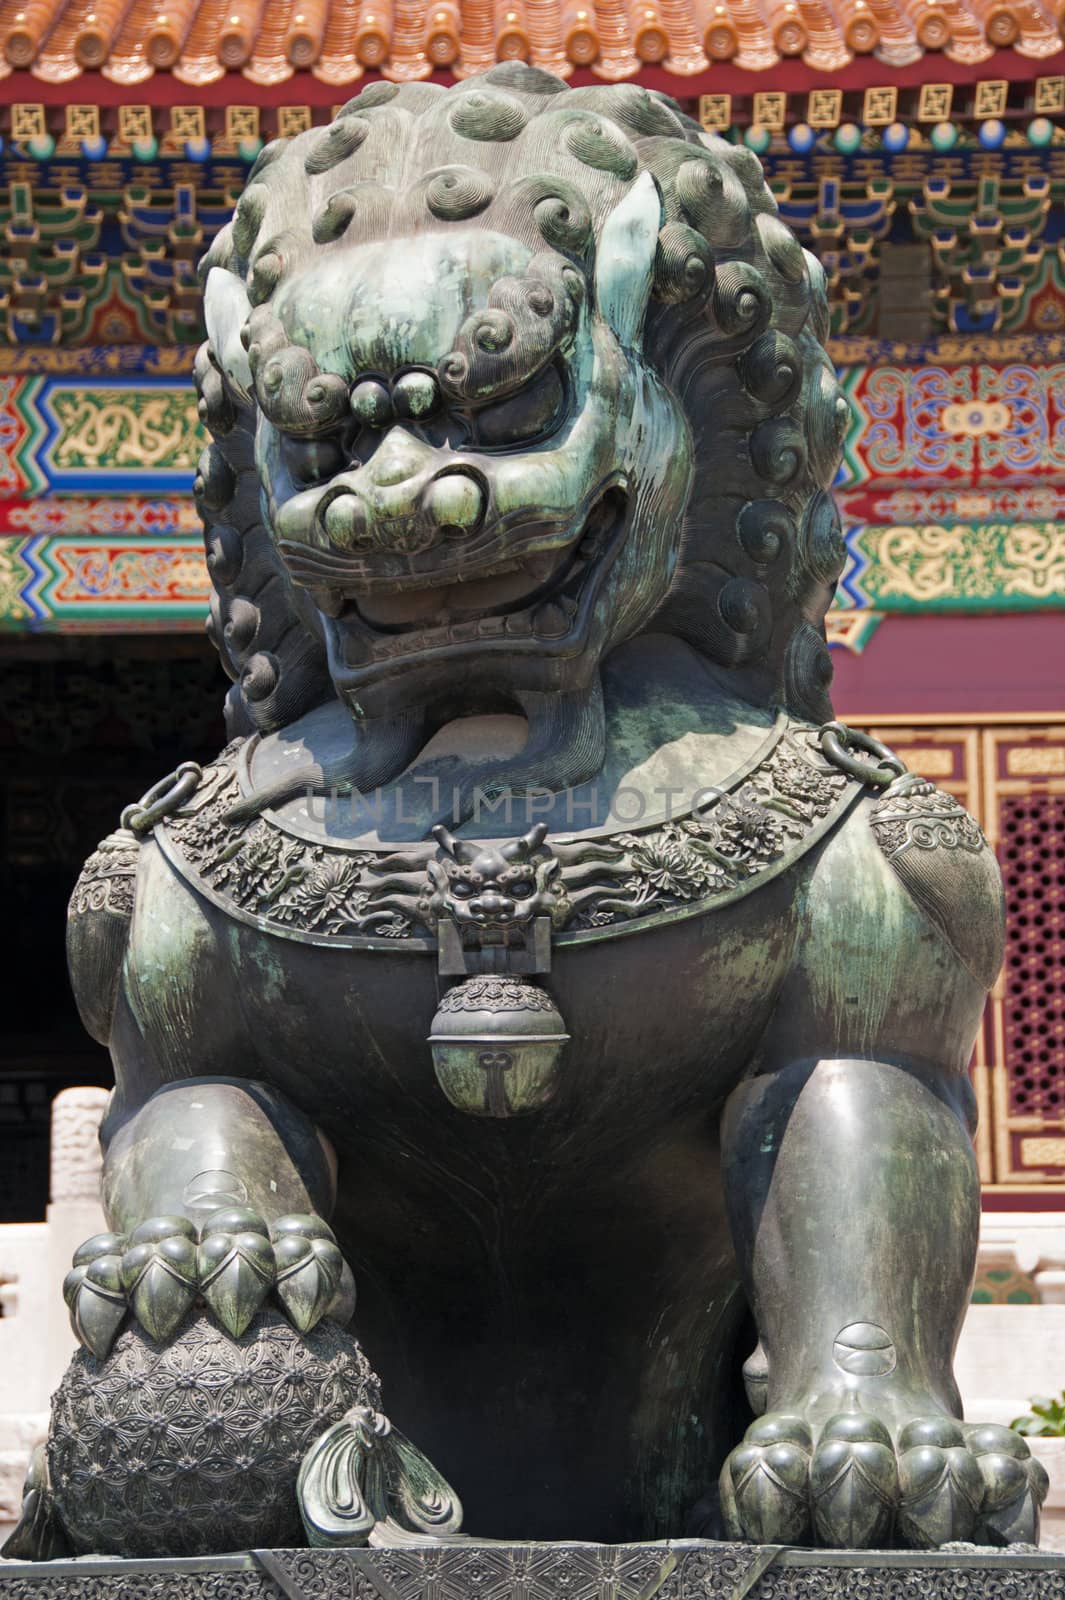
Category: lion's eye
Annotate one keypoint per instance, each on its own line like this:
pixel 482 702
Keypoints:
pixel 462 888
pixel 312 460
pixel 522 889
pixel 523 416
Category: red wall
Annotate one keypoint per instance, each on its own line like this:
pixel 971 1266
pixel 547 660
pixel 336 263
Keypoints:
pixel 955 664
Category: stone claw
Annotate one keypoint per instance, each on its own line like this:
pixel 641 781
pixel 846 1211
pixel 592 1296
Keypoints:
pixel 101 1244
pixel 309 1268
pixel 235 1266
pixel 159 1274
pixel 853 1482
pixel 362 1474
pixel 1015 1485
pixel 765 1482
pixel 940 1487
pixel 38 1535
pixel 163 1266
pixel 96 1301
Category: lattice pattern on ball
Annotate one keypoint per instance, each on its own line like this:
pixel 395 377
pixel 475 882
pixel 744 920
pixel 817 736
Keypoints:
pixel 1032 855
pixel 194 1447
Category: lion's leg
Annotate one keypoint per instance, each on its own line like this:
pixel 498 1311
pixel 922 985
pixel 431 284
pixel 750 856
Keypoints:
pixel 855 1208
pixel 214 1186
pixel 217 1188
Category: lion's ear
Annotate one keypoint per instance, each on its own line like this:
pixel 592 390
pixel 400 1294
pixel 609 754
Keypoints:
pixel 226 310
pixel 625 260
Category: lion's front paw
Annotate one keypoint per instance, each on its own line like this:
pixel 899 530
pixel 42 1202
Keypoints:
pixel 850 1484
pixel 231 1264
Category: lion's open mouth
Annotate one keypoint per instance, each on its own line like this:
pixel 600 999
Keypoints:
pixel 539 596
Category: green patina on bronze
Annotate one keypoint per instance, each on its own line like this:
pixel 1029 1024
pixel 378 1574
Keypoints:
pixel 537 927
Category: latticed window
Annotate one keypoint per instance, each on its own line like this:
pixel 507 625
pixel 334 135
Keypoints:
pixel 1032 853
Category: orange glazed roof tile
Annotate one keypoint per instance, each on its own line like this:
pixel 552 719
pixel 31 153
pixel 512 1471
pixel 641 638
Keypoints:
pixel 198 41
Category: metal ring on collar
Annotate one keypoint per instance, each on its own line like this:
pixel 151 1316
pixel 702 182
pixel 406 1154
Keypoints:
pixel 163 797
pixel 838 741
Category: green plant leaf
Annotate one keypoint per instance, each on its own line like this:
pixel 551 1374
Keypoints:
pixel 1046 1419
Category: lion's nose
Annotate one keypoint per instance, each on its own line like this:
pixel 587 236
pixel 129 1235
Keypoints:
pixel 455 503
pixel 404 496
pixel 346 521
pixel 398 459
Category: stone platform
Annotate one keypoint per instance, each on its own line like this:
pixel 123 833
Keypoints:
pixel 467 1570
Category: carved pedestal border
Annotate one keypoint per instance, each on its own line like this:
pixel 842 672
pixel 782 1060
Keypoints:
pixel 465 1570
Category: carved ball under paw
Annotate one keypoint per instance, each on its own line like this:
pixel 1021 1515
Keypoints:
pixel 194 1447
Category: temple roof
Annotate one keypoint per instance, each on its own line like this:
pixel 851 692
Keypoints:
pixel 337 41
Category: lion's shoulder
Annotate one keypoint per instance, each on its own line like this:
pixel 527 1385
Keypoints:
pixel 98 922
pixel 100 913
pixel 899 937
pixel 939 854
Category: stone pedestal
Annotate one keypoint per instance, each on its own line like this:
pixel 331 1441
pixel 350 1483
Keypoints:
pixel 1051 1452
pixel 24 1371
pixel 466 1570
pixel 1006 1355
pixel 36 1342
pixel 74 1209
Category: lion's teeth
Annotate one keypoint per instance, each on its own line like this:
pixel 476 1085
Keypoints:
pixel 550 619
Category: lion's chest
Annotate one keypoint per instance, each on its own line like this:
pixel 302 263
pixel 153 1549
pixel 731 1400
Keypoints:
pixel 321 965
pixel 659 1021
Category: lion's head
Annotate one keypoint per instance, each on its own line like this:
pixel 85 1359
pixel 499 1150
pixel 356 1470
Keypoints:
pixel 500 376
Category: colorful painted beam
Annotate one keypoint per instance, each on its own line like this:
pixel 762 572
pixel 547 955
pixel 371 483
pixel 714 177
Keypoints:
pixel 63 435
pixel 987 425
pixel 952 488
pixel 92 584
pixel 102 230
pixel 954 566
pixel 964 425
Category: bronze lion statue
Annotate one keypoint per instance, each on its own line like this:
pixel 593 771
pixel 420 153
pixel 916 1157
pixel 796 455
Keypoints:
pixel 539 956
